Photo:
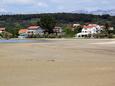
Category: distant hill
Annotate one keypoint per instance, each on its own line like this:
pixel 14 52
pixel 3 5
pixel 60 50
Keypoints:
pixel 96 12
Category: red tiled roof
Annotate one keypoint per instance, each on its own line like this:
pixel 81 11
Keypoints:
pixel 33 27
pixel 89 26
pixel 23 30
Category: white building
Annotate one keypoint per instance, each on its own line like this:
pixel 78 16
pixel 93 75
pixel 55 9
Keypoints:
pixel 31 30
pixel 35 30
pixel 57 30
pixel 90 29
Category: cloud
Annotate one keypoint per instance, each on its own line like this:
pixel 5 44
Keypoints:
pixel 42 4
pixel 55 5
pixel 11 2
pixel 3 10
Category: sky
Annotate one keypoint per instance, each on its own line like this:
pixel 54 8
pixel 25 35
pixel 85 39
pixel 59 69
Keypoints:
pixel 51 6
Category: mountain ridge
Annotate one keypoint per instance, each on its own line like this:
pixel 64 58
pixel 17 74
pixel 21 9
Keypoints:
pixel 96 12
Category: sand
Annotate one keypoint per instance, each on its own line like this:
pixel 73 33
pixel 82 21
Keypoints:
pixel 58 63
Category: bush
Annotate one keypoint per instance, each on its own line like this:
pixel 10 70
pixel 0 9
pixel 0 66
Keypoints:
pixel 110 35
pixel 6 35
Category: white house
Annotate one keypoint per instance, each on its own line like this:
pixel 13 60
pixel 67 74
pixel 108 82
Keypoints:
pixel 35 30
pixel 76 25
pixel 2 29
pixel 90 29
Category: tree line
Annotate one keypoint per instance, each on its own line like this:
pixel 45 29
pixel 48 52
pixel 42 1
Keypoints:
pixel 15 22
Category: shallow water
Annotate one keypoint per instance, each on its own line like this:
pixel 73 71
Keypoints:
pixel 23 41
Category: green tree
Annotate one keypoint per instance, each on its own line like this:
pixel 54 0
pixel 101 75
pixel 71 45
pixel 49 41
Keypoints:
pixel 13 28
pixel 109 32
pixel 78 29
pixel 68 32
pixel 47 23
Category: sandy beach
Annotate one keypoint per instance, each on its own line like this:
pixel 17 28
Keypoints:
pixel 79 62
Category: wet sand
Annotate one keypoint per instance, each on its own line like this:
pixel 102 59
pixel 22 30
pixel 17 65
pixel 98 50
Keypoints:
pixel 58 63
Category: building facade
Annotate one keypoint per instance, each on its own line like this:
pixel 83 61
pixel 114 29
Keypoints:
pixel 2 30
